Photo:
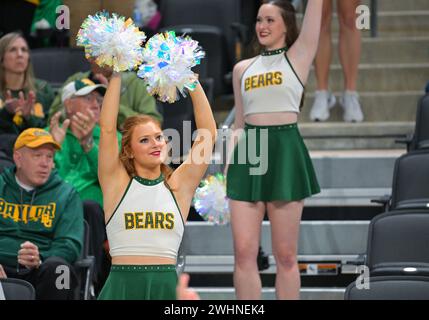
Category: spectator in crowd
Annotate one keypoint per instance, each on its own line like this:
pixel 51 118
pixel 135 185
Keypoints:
pixel 349 50
pixel 134 96
pixel 79 135
pixel 41 218
pixel 24 100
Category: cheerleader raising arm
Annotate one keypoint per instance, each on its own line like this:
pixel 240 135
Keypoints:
pixel 301 54
pixel 186 178
pixel 111 173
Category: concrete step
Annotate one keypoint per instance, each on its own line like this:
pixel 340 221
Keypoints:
pixel 338 135
pixel 390 50
pixel 400 5
pixel 349 168
pixel 269 293
pixel 322 240
pixel 383 77
pixel 355 136
pixel 405 22
pixel 392 23
pixel 376 106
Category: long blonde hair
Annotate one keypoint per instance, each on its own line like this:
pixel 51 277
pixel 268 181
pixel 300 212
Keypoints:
pixel 125 155
pixel 29 80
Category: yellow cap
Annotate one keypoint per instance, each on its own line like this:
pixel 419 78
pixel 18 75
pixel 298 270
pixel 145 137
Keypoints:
pixel 35 137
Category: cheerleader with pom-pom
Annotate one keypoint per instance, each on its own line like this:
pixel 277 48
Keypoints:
pixel 145 202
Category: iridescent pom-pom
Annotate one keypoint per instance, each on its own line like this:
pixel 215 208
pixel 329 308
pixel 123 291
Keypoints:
pixel 167 63
pixel 210 200
pixel 112 41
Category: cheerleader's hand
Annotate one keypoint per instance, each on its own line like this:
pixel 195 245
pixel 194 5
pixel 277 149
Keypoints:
pixel 182 290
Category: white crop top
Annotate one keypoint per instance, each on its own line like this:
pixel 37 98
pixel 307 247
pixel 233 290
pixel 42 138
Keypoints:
pixel 146 222
pixel 270 84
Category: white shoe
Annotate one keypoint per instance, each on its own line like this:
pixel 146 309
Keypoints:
pixel 351 106
pixel 323 101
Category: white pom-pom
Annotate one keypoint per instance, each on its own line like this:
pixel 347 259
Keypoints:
pixel 167 63
pixel 113 42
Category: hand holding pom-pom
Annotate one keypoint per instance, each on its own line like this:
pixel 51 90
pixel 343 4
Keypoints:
pixel 210 200
pixel 167 63
pixel 112 42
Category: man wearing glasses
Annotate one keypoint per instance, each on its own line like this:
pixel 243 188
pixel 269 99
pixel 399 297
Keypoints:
pixel 41 219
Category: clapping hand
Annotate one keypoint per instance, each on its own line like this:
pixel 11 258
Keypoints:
pixel 20 105
pixel 58 132
pixel 82 125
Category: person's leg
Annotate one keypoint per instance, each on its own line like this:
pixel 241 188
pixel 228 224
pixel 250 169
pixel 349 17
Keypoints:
pixel 246 219
pixel 350 50
pixel 349 42
pixel 323 99
pixel 54 280
pixel 323 58
pixel 285 218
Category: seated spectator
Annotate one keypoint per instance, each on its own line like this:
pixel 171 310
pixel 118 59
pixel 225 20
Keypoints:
pixel 134 96
pixel 79 135
pixel 41 218
pixel 24 100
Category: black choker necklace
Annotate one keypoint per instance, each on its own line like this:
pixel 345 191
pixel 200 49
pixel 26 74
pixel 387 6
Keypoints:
pixel 273 52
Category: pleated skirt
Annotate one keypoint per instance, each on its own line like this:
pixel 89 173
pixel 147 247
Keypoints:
pixel 271 163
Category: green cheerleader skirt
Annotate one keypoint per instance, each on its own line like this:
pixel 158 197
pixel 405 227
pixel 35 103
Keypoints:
pixel 271 163
pixel 140 282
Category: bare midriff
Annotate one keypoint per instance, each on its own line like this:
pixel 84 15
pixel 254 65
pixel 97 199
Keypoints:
pixel 141 260
pixel 274 118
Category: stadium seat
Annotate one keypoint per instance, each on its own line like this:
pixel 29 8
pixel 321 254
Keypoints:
pixel 420 138
pixel 55 65
pixel 216 24
pixel 16 289
pixel 7 141
pixel 410 186
pixel 390 288
pixel 85 268
pixel 398 243
pixel 5 161
pixel 421 133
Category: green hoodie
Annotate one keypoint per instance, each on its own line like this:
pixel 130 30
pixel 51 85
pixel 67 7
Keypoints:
pixel 52 219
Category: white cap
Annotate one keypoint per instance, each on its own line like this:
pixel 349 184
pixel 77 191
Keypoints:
pixel 81 88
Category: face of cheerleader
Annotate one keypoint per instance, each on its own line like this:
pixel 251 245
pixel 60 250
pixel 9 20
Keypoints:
pixel 148 145
pixel 270 27
pixel 16 57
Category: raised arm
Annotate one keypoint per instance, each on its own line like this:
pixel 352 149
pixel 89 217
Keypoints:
pixel 111 173
pixel 303 51
pixel 194 167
